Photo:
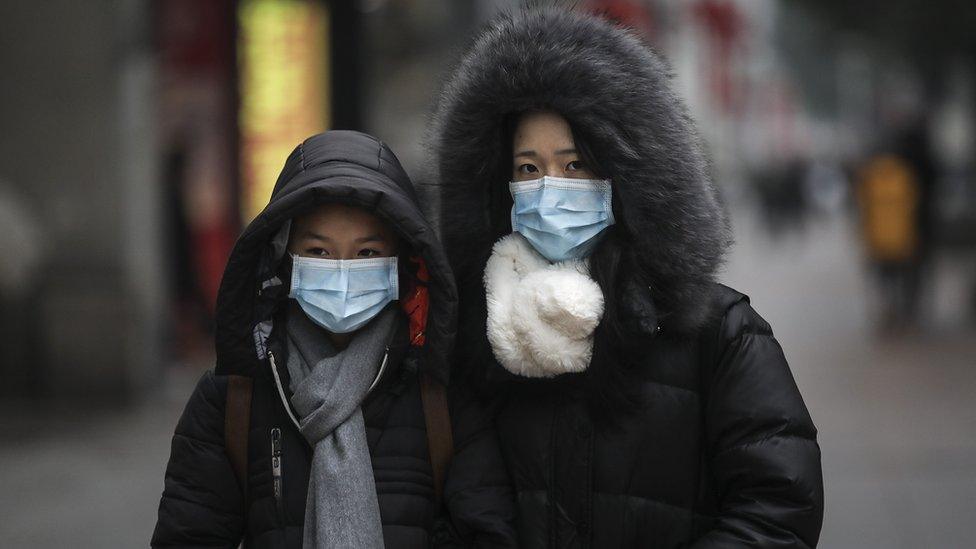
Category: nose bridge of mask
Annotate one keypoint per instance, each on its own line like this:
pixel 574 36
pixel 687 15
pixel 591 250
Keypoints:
pixel 554 194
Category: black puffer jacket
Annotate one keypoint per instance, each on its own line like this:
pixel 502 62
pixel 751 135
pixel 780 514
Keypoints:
pixel 722 451
pixel 713 446
pixel 202 505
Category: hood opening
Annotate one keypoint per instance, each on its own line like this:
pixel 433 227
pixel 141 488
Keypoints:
pixel 337 166
pixel 615 91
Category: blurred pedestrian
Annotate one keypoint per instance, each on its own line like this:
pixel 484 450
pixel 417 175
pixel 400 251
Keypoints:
pixel 888 198
pixel 24 247
pixel 780 191
pixel 638 402
pixel 325 422
pixel 915 147
pixel 192 325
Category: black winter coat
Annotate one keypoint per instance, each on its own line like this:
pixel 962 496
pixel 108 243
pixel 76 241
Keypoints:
pixel 687 429
pixel 202 504
pixel 721 452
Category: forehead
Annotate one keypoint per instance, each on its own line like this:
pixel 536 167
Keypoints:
pixel 541 129
pixel 339 217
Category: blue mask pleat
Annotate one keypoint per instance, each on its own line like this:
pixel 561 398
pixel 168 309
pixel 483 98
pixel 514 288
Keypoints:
pixel 558 223
pixel 343 295
pixel 562 218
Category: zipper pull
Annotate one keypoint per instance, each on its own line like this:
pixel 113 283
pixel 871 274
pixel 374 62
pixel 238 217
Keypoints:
pixel 276 463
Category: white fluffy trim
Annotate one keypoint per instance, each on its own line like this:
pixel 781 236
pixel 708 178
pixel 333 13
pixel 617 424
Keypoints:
pixel 541 316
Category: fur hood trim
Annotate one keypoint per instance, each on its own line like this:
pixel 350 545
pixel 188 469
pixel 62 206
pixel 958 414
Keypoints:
pixel 541 316
pixel 616 93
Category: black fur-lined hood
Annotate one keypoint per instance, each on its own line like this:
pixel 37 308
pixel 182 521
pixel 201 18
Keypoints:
pixel 616 91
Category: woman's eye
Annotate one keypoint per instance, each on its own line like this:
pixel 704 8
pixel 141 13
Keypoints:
pixel 575 165
pixel 527 168
pixel 368 252
pixel 317 252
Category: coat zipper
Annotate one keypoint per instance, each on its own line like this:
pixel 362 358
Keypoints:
pixel 276 459
pixel 276 444
pixel 281 391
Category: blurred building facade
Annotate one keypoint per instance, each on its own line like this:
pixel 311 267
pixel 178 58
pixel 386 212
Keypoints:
pixel 78 150
pixel 137 144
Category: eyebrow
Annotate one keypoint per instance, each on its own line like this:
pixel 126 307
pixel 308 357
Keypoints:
pixel 310 234
pixel 370 238
pixel 560 152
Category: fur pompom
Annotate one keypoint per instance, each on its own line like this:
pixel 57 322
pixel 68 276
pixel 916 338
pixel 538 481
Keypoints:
pixel 541 316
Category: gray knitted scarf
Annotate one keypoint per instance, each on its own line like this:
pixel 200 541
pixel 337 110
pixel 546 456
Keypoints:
pixel 341 510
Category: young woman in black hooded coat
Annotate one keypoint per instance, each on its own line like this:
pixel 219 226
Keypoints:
pixel 638 402
pixel 338 306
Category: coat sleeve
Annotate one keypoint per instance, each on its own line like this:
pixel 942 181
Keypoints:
pixel 201 504
pixel 762 450
pixel 477 492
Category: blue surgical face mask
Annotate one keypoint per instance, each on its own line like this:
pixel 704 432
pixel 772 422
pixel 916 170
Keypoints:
pixel 561 217
pixel 342 295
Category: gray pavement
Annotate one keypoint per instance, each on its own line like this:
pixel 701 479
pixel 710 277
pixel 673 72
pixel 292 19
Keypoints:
pixel 83 478
pixel 896 414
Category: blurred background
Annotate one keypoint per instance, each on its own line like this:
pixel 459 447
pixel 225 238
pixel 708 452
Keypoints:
pixel 137 138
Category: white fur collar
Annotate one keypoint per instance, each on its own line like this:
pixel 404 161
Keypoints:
pixel 541 316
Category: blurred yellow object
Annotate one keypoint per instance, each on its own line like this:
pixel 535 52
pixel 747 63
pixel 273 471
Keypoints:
pixel 284 88
pixel 888 197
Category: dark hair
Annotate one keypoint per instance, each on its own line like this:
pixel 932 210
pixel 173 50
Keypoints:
pixel 605 381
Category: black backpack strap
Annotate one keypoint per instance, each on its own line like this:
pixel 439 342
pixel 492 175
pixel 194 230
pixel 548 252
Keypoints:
pixel 440 440
pixel 237 424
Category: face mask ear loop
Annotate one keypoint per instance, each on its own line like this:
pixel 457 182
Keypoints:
pixel 292 282
pixel 609 201
pixel 394 267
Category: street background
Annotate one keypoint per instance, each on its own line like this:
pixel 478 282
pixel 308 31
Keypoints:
pixel 138 138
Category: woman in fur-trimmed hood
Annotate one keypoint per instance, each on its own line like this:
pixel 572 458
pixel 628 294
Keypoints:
pixel 638 402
